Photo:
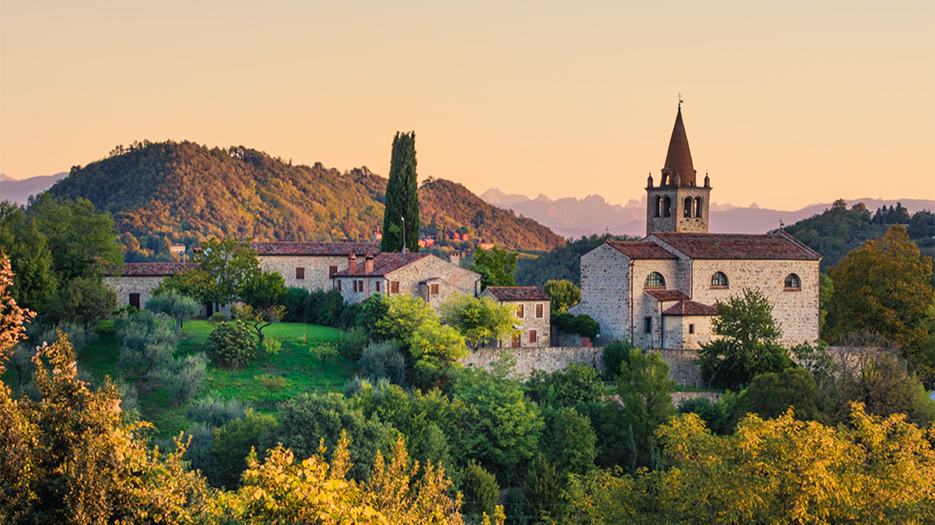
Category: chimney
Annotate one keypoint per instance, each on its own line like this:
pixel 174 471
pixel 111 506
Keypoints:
pixel 351 263
pixel 368 264
pixel 455 258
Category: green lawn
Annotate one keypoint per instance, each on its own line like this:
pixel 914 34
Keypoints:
pixel 292 372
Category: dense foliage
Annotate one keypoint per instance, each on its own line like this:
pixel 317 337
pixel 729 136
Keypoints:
pixel 496 267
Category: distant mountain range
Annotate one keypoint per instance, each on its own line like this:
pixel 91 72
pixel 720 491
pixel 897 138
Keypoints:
pixel 18 191
pixel 571 217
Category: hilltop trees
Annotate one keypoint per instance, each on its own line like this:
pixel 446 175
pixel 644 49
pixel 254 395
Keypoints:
pixel 401 217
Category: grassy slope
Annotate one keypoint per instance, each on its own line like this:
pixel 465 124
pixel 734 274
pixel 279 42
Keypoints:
pixel 300 370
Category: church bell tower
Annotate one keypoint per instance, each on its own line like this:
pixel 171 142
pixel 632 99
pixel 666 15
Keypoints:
pixel 677 205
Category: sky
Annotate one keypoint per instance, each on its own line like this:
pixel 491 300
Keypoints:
pixel 785 103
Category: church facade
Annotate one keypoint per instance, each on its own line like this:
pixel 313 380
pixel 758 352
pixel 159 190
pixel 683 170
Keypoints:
pixel 660 292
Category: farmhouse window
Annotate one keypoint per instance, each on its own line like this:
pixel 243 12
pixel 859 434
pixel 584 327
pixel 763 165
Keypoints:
pixel 691 328
pixel 354 285
pixel 339 285
pixel 332 270
pixel 655 280
pixel 521 311
pixel 532 336
pixel 394 287
pixel 433 289
pixel 135 300
pixel 378 286
pixel 648 325
pixel 360 286
pixel 300 273
pixel 538 311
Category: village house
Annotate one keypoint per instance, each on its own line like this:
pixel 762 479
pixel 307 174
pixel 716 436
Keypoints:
pixel 136 284
pixel 310 265
pixel 661 292
pixel 420 275
pixel 531 306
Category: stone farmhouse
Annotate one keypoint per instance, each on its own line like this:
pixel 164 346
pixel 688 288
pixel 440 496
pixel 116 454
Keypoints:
pixel 135 286
pixel 532 313
pixel 660 292
pixel 417 274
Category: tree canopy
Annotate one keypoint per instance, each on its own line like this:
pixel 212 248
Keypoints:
pixel 496 267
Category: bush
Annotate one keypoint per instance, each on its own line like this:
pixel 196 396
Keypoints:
pixel 717 416
pixel 129 397
pixel 771 395
pixel 199 453
pixel 564 388
pixel 544 488
pixel 353 343
pixel 179 307
pixel 324 308
pixel 582 325
pixel 349 316
pixel 480 489
pixel 384 360
pixel 216 411
pixel 271 383
pixel 83 301
pixel 571 442
pixel 218 318
pixel 234 343
pixel 232 444
pixel 184 377
pixel 614 354
pixel 147 342
pixel 79 337
pixel 515 507
pixel 295 300
pixel 356 386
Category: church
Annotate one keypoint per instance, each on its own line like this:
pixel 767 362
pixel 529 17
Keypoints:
pixel 660 292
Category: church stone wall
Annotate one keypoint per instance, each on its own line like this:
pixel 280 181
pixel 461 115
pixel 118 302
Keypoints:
pixel 796 312
pixel 677 333
pixel 605 291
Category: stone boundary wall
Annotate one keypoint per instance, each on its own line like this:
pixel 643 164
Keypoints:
pixel 682 368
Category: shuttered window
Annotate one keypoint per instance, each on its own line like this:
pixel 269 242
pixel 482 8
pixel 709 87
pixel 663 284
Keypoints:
pixel 394 287
pixel 300 273
pixel 532 336
pixel 539 311
pixel 332 270
pixel 521 311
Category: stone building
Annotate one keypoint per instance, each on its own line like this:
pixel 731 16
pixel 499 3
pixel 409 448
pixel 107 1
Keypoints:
pixel 660 292
pixel 310 265
pixel 532 312
pixel 417 274
pixel 136 284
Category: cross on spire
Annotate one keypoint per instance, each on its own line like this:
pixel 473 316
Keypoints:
pixel 680 100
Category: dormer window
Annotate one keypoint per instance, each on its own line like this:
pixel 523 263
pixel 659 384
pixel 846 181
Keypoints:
pixel 655 280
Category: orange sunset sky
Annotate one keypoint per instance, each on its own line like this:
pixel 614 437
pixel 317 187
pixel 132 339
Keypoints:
pixel 786 103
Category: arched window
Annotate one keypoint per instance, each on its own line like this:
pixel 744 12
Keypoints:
pixel 655 280
pixel 688 207
pixel 666 206
pixel 657 206
pixel 792 282
pixel 698 207
pixel 719 280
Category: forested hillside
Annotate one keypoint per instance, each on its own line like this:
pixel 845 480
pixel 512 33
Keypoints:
pixel 839 230
pixel 446 205
pixel 159 193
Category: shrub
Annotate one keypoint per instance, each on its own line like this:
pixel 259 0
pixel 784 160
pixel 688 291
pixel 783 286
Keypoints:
pixel 353 343
pixel 614 354
pixel 199 453
pixel 295 300
pixel 147 342
pixel 234 343
pixel 349 316
pixel 480 489
pixel 233 442
pixel 571 442
pixel 218 318
pixel 79 337
pixel 717 416
pixel 129 397
pixel 179 307
pixel 216 411
pixel 184 377
pixel 543 488
pixel 384 360
pixel 771 395
pixel 271 347
pixel 271 383
pixel 323 351
pixel 324 308
pixel 356 386
pixel 582 325
pixel 564 388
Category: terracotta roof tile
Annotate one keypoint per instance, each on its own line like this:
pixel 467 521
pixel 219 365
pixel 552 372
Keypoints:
pixel 668 295
pixel 641 250
pixel 679 156
pixel 770 246
pixel 155 269
pixel 383 264
pixel 518 293
pixel 689 308
pixel 316 248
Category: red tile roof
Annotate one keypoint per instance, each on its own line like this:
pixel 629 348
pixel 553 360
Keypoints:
pixel 383 264
pixel 689 308
pixel 316 248
pixel 770 246
pixel 668 295
pixel 156 269
pixel 518 293
pixel 641 250
pixel 679 156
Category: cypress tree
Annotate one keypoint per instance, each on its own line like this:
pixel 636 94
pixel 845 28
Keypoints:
pixel 402 197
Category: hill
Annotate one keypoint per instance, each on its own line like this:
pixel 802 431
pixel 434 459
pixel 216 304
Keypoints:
pixel 184 192
pixel 445 205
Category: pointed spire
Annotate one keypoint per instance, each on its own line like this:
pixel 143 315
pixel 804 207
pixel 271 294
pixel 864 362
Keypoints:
pixel 679 157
